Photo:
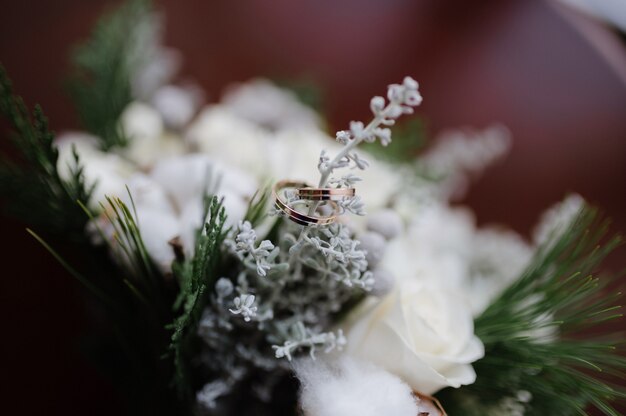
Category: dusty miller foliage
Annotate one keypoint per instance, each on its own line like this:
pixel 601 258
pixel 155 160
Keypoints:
pixel 280 295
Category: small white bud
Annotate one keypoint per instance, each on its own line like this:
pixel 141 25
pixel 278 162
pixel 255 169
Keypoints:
pixel 410 83
pixel 224 287
pixel 395 93
pixel 385 222
pixel 377 105
pixel 374 244
pixel 358 129
pixel 343 137
pixel 383 282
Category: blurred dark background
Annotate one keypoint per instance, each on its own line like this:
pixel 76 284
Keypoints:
pixel 555 76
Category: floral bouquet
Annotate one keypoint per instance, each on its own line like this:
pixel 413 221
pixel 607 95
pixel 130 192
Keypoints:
pixel 239 261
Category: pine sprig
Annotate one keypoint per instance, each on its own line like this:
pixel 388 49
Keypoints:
pixel 258 206
pixel 33 189
pixel 532 333
pixel 104 67
pixel 195 276
pixel 125 241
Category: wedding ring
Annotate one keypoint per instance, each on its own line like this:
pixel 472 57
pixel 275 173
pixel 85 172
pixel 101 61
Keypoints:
pixel 325 194
pixel 295 216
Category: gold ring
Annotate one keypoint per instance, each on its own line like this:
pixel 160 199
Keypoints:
pixel 324 194
pixel 295 216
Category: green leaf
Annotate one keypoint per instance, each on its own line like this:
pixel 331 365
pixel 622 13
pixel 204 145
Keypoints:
pixel 104 67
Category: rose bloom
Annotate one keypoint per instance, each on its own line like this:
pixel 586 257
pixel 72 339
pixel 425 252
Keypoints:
pixel 420 332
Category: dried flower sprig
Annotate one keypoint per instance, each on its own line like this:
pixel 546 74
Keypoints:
pixel 401 100
pixel 290 287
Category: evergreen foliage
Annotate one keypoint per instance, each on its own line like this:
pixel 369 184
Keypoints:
pixel 258 206
pixel 104 67
pixel 33 189
pixel 195 276
pixel 532 333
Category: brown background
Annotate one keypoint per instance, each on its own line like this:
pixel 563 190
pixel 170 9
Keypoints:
pixel 555 78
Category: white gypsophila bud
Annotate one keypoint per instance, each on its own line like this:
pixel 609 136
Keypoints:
pixel 386 223
pixel 384 281
pixel 177 105
pixel 374 244
pixel 322 163
pixel 412 97
pixel 357 128
pixel 393 111
pixel 141 120
pixel 224 287
pixel 244 306
pixel 377 104
pixel 410 83
pixel 343 137
pixel 353 204
pixel 384 134
pixel 246 237
pixel 395 93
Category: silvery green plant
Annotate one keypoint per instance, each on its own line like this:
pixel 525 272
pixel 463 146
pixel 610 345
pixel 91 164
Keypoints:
pixel 280 297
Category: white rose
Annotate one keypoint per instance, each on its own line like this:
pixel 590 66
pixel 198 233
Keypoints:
pixel 442 244
pixel 231 140
pixel 148 141
pixel 157 228
pixel 422 333
pixel 108 171
pixel 435 246
pixel 268 105
pixel 185 178
pixel 177 105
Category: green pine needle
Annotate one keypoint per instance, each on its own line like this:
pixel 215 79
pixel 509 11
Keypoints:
pixel 258 206
pixel 32 187
pixel 127 244
pixel 195 276
pixel 539 338
pixel 104 67
pixel 82 279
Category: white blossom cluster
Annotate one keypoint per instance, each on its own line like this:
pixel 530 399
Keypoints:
pixel 284 297
pixel 422 268
pixel 244 246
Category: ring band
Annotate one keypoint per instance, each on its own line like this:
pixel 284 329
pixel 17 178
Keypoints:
pixel 325 194
pixel 295 216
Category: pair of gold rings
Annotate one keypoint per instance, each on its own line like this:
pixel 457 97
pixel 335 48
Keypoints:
pixel 305 193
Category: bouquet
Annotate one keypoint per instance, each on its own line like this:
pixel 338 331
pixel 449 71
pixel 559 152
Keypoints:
pixel 241 261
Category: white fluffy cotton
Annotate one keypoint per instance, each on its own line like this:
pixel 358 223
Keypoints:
pixel 347 387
